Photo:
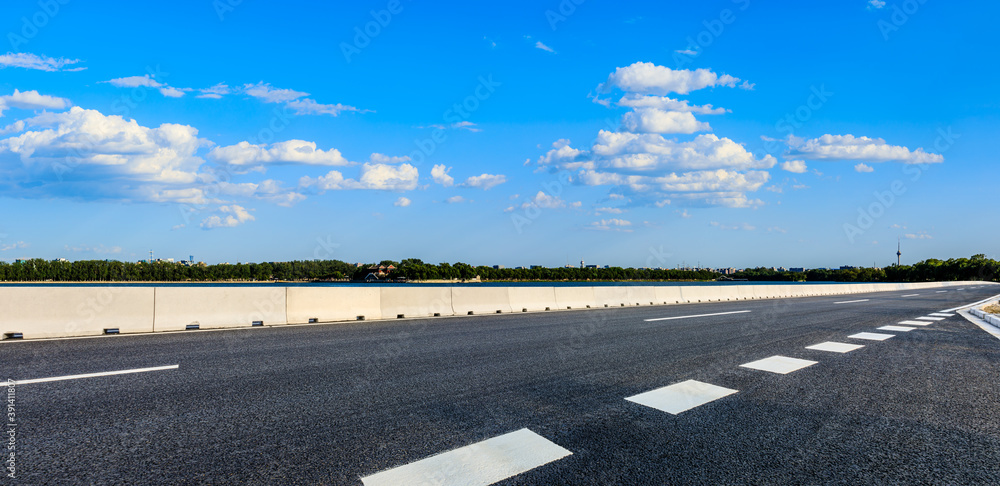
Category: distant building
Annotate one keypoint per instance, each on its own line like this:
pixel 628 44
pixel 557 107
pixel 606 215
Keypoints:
pixel 536 266
pixel 498 267
pixel 591 266
pixel 520 268
pixel 847 267
pixel 797 269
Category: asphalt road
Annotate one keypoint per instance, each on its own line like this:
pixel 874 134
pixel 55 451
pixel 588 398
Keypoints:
pixel 330 404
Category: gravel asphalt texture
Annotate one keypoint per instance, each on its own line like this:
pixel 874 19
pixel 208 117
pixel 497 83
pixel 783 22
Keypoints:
pixel 331 403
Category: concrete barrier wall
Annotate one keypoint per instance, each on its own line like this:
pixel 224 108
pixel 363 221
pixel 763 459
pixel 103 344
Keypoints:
pixel 48 312
pixel 610 296
pixel 574 297
pixel 480 300
pixel 329 304
pixel 43 312
pixel 532 299
pixel 641 295
pixel 409 301
pixel 177 308
pixel 668 295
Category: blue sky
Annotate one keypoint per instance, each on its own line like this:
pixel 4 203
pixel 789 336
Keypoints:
pixel 725 133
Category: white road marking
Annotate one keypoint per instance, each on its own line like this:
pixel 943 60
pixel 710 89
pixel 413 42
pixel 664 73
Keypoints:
pixel 915 323
pixel 940 291
pixel 681 397
pixel 941 314
pixel 482 463
pixel 95 375
pixel 835 347
pixel 871 336
pixel 961 289
pixel 911 295
pixel 931 318
pixel 953 309
pixel 699 315
pixel 851 301
pixel 896 328
pixel 781 365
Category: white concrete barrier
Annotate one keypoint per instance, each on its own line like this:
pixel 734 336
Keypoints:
pixel 574 297
pixel 668 295
pixel 329 304
pixel 641 295
pixel 708 293
pixel 208 307
pixel 412 301
pixel 480 300
pixel 532 299
pixel 47 312
pixel 610 296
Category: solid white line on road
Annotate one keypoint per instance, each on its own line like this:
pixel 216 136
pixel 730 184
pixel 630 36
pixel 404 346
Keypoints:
pixel 851 301
pixel 682 396
pixel 781 365
pixel 953 309
pixel 911 295
pixel 482 463
pixel 931 318
pixel 915 323
pixel 896 328
pixel 95 375
pixel 941 314
pixel 871 336
pixel 699 315
pixel 835 347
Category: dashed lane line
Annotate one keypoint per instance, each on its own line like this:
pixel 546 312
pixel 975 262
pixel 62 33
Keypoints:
pixel 781 365
pixel 698 315
pixel 95 375
pixel 682 396
pixel 871 336
pixel 835 347
pixel 852 301
pixel 896 328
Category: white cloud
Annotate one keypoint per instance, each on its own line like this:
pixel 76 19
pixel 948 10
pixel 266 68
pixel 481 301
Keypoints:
pixel 613 224
pixel 876 4
pixel 440 175
pixel 15 127
pixel 735 227
pixel 669 104
pixel 215 92
pixel 378 158
pixel 134 82
pixel 849 147
pixel 384 177
pixel 918 236
pixel 607 210
pixel 291 151
pixel 796 166
pixel 485 181
pixel 648 78
pixel 32 100
pixel 17 245
pixel 683 213
pixel 687 52
pixel 633 152
pixel 402 202
pixel 269 94
pixel 269 190
pixel 543 200
pixel 462 125
pixel 171 92
pixel 654 120
pixel 863 168
pixel 309 106
pixel 40 63
pixel 455 200
pixel 234 216
pixel 99 249
pixel 539 45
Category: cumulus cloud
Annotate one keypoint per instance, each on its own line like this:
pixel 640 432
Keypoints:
pixel 232 217
pixel 485 181
pixel 876 4
pixel 215 92
pixel 654 120
pixel 796 166
pixel 289 152
pixel 540 45
pixel 171 92
pixel 440 175
pixel 295 100
pixel 309 106
pixel 543 200
pixel 402 202
pixel 32 100
pixel 649 78
pixel 863 168
pixel 667 104
pixel 40 63
pixel 384 177
pixel 849 147
pixel 455 200
pixel 613 224
pixel 268 94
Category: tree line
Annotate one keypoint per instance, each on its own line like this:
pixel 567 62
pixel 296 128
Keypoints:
pixel 38 270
